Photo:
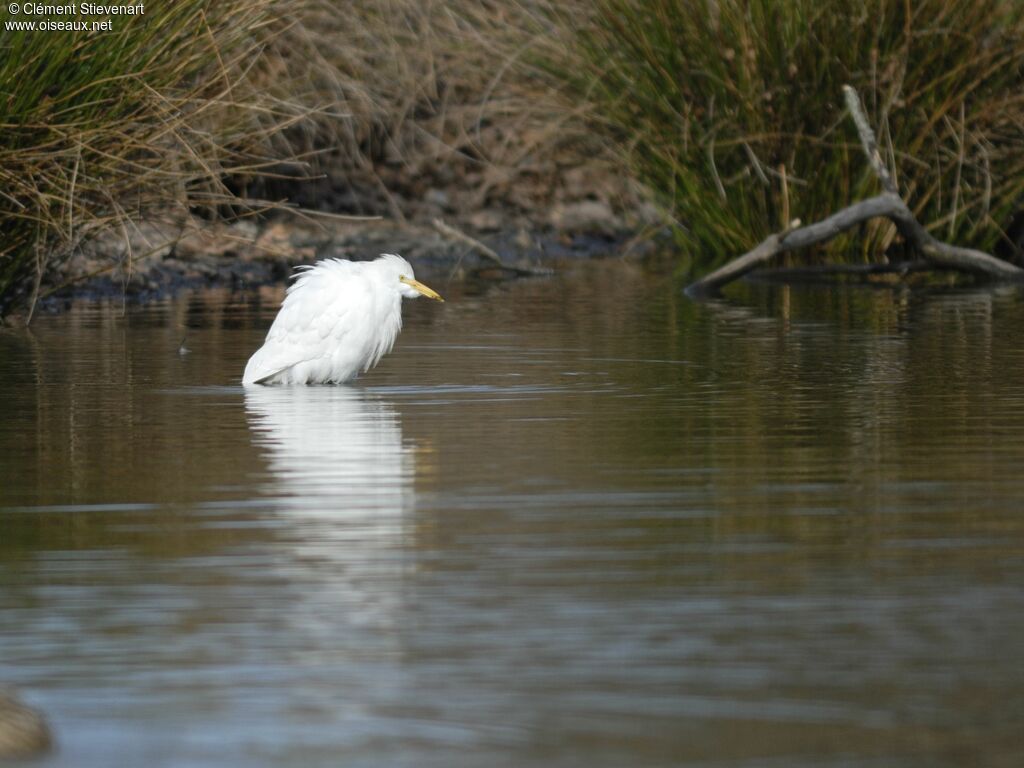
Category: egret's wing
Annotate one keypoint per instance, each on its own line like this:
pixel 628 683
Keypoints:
pixel 322 308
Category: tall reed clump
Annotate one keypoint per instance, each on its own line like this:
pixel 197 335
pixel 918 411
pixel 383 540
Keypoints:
pixel 98 128
pixel 731 111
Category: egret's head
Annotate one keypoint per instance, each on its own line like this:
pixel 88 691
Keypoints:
pixel 408 285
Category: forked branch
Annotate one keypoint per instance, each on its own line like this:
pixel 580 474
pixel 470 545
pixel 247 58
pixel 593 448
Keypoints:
pixel 888 204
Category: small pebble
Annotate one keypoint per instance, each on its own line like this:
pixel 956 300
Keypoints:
pixel 23 731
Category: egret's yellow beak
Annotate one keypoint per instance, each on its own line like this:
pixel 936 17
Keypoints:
pixel 430 293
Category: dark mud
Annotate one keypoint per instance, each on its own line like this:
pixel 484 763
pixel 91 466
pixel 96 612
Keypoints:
pixel 247 254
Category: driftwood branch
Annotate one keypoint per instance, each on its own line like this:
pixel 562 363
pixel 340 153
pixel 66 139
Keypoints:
pixel 888 204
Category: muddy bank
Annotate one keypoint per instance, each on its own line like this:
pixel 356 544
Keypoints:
pixel 161 259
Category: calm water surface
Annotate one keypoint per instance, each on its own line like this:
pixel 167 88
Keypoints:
pixel 568 522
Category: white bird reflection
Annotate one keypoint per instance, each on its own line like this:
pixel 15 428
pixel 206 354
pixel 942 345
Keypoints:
pixel 341 492
pixel 337 462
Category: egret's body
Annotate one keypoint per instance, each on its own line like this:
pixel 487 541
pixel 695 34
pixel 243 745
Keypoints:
pixel 338 319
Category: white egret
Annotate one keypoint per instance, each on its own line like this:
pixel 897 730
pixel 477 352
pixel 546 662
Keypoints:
pixel 338 319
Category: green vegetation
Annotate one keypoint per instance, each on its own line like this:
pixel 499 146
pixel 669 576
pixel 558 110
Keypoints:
pixel 100 127
pixel 731 112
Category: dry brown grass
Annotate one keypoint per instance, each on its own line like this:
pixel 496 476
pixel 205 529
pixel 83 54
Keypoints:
pixel 432 94
pixel 100 130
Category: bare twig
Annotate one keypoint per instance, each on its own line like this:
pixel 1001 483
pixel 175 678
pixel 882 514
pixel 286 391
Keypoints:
pixel 756 164
pixel 785 193
pixel 867 140
pixel 961 141
pixel 714 170
pixel 461 237
pixel 35 286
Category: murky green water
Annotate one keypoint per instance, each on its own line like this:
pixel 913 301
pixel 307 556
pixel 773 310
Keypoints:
pixel 578 522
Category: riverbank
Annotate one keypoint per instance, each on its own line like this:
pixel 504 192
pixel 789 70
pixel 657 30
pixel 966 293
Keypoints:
pixel 491 115
pixel 160 259
pixel 395 110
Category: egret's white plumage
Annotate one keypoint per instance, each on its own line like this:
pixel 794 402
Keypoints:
pixel 338 319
